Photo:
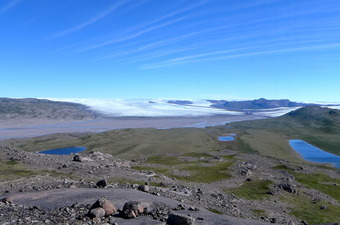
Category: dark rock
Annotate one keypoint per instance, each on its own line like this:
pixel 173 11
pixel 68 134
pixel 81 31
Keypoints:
pixel 77 158
pixel 180 219
pixel 270 193
pixel 144 188
pixel 323 207
pixel 192 208
pixel 132 209
pixel 272 220
pixel 101 183
pixel 288 187
pixel 7 200
pixel 246 172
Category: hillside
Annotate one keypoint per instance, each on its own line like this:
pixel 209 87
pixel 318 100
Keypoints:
pixel 317 125
pixel 32 108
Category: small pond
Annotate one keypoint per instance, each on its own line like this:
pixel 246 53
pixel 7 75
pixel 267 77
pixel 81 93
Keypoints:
pixel 314 154
pixel 231 137
pixel 63 151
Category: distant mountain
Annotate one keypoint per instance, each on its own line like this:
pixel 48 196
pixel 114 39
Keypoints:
pixel 180 102
pixel 261 103
pixel 31 108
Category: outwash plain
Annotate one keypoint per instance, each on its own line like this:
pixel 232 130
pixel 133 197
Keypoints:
pixel 137 173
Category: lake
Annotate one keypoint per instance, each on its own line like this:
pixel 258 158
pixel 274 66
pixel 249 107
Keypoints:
pixel 314 154
pixel 63 151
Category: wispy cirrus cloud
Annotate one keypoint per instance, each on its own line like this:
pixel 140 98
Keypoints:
pixel 91 21
pixel 134 35
pixel 217 55
pixel 10 5
pixel 139 30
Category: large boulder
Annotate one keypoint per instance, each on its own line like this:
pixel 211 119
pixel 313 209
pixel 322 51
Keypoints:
pixel 106 205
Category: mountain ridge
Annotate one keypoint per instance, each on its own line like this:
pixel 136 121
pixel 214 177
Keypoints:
pixel 260 103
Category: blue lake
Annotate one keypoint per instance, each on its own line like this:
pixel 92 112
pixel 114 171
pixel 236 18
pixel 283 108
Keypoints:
pixel 314 154
pixel 63 151
pixel 226 138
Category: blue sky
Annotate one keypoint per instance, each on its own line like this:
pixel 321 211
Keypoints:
pixel 188 49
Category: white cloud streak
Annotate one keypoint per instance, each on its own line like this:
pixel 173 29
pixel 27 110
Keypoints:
pixel 92 21
pixel 10 5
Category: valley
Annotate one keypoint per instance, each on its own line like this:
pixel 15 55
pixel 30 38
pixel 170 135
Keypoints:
pixel 255 178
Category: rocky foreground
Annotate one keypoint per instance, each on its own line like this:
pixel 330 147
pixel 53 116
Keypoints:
pixel 96 188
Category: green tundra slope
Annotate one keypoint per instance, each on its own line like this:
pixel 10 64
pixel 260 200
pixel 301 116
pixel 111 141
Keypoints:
pixel 317 125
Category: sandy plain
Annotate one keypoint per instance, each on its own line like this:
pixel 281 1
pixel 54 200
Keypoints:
pixel 31 127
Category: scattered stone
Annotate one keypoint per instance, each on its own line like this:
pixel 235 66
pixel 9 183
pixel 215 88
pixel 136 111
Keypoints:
pixel 180 219
pixel 192 208
pixel 291 223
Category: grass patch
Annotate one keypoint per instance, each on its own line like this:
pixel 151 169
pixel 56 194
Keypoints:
pixel 207 174
pixel 253 190
pixel 197 154
pixel 282 167
pixel 128 143
pixel 320 182
pixel 243 146
pixel 259 212
pixel 326 167
pixel 164 160
pixel 303 208
pixel 197 170
pixel 317 181
pixel 215 211
pixel 10 170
